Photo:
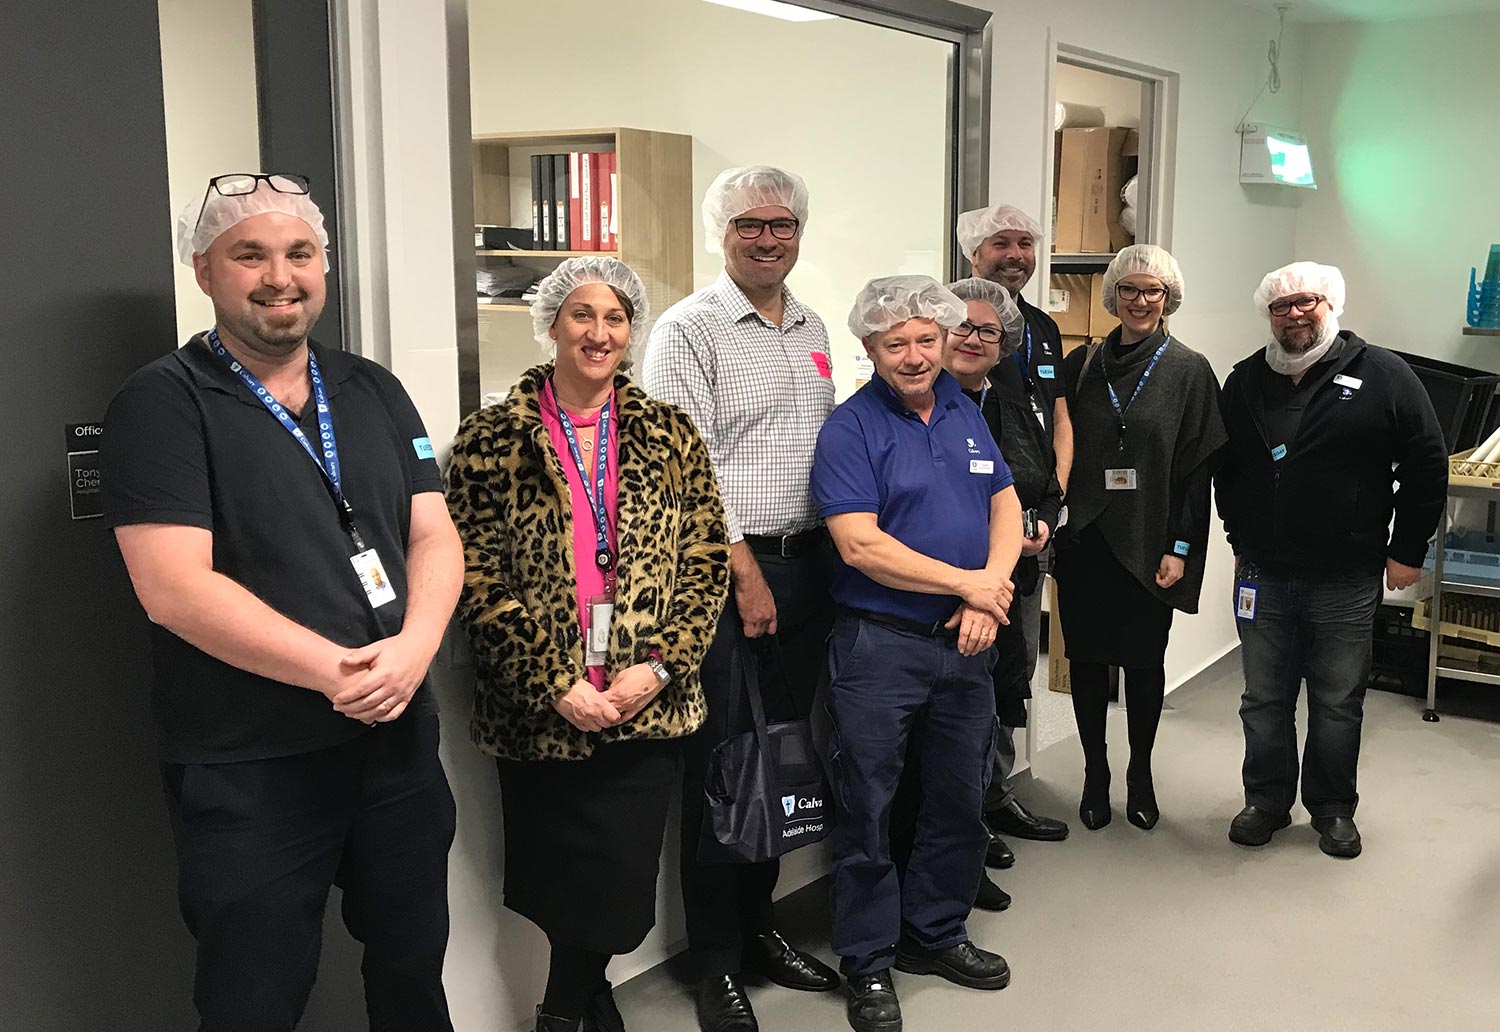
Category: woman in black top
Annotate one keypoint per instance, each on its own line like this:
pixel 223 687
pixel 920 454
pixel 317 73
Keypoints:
pixel 1147 433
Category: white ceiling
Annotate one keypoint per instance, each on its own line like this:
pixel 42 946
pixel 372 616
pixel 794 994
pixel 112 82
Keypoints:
pixel 1370 10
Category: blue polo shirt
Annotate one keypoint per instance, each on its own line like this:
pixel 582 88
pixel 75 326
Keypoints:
pixel 929 485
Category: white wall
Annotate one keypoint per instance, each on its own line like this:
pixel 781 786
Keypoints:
pixel 208 88
pixel 855 110
pixel 1224 238
pixel 1403 125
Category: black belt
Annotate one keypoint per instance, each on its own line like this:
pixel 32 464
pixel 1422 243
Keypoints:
pixel 935 629
pixel 787 546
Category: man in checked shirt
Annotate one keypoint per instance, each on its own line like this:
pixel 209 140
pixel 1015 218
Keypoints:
pixel 751 365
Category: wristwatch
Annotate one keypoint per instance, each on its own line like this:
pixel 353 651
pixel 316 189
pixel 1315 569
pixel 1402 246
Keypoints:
pixel 654 662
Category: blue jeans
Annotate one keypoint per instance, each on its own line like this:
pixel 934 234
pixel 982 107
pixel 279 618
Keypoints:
pixel 1316 627
pixel 895 694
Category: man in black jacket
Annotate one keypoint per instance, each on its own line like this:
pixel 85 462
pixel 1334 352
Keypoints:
pixel 1318 420
pixel 1000 243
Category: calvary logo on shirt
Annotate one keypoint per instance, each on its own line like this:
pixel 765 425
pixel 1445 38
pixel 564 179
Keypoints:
pixel 789 804
pixel 973 448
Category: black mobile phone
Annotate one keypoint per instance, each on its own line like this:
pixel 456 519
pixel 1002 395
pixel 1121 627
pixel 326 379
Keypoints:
pixel 1028 523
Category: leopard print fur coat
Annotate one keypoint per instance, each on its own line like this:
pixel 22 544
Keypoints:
pixel 509 497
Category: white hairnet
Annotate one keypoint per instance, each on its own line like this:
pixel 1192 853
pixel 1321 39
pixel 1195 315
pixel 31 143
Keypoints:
pixel 576 272
pixel 735 191
pixel 977 226
pixel 1144 260
pixel 221 214
pixel 891 300
pixel 1011 321
pixel 1301 278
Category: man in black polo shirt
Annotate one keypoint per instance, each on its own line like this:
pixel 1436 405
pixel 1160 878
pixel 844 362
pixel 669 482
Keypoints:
pixel 281 515
pixel 1320 425
pixel 1000 243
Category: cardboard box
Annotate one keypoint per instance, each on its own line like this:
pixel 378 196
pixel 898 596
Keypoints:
pixel 1100 321
pixel 1068 303
pixel 1058 678
pixel 1091 172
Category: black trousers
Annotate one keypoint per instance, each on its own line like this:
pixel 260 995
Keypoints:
pixel 259 844
pixel 726 904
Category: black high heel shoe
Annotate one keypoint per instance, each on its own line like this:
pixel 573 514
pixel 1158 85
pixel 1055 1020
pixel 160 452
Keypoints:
pixel 1140 805
pixel 1093 808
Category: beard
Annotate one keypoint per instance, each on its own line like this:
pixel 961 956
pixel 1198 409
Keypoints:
pixel 1297 340
pixel 268 333
pixel 1299 352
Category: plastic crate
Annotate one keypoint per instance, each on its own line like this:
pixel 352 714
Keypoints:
pixel 1465 399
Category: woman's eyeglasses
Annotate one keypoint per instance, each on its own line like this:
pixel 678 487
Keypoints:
pixel 988 334
pixel 1125 292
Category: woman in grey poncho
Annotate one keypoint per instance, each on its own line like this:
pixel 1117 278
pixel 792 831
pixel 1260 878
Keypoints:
pixel 1147 435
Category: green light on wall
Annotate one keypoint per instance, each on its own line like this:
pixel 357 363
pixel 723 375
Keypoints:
pixel 1290 162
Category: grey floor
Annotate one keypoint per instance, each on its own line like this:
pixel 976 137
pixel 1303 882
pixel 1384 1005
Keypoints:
pixel 1178 929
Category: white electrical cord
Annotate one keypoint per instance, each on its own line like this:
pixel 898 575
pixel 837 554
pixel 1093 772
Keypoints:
pixel 1273 55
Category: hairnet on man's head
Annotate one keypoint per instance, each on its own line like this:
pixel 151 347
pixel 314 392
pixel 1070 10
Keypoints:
pixel 209 216
pixel 1301 278
pixel 1144 260
pixel 1011 320
pixel 735 191
pixel 977 226
pixel 573 273
pixel 891 300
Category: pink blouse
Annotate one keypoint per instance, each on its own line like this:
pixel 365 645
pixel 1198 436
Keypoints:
pixel 590 579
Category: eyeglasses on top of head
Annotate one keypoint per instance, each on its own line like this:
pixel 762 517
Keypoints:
pixel 1126 292
pixel 236 184
pixel 988 334
pixel 1304 305
pixel 781 229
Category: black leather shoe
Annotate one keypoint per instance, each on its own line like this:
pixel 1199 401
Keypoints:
pixel 1337 836
pixel 547 1023
pixel 1015 820
pixel 1253 826
pixel 964 964
pixel 1093 808
pixel 772 956
pixel 998 854
pixel 1140 804
pixel 991 896
pixel 872 1005
pixel 724 1007
pixel 603 1015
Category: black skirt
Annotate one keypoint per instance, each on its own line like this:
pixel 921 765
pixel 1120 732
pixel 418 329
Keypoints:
pixel 1107 615
pixel 583 841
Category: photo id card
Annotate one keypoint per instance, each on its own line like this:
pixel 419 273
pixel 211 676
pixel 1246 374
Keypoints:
pixel 372 576
pixel 1122 479
pixel 598 613
pixel 1244 601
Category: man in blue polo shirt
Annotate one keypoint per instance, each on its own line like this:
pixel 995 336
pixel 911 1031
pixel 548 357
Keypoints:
pixel 919 502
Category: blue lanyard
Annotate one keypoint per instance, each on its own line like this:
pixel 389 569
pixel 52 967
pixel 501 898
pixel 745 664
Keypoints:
pixel 1114 399
pixel 603 557
pixel 1023 359
pixel 328 465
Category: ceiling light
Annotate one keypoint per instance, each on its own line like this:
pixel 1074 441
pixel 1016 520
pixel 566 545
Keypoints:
pixel 775 9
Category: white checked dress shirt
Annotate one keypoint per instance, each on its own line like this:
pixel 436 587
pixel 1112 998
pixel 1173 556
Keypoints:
pixel 759 394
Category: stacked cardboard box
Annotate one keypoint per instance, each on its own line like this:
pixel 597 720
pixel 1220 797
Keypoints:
pixel 1092 165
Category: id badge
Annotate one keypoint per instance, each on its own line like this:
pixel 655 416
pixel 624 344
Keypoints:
pixel 373 578
pixel 599 612
pixel 1244 601
pixel 1120 479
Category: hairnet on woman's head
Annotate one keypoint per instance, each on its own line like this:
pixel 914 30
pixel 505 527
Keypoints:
pixel 220 214
pixel 573 273
pixel 1302 278
pixel 993 294
pixel 735 191
pixel 1144 260
pixel 977 226
pixel 891 300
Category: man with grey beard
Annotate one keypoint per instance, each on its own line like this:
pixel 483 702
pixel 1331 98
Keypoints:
pixel 1328 438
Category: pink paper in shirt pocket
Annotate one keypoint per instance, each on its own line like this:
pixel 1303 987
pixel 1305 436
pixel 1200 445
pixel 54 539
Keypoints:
pixel 825 368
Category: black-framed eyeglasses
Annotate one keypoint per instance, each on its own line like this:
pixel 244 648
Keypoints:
pixel 1301 304
pixel 988 334
pixel 1126 292
pixel 236 184
pixel 781 229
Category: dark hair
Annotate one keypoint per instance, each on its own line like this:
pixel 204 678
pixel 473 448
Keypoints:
pixel 625 303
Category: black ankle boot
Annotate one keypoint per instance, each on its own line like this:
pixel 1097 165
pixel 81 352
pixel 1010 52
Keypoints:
pixel 547 1023
pixel 1140 805
pixel 1093 808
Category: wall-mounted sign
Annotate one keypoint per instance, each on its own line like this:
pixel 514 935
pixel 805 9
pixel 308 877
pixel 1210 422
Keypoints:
pixel 83 469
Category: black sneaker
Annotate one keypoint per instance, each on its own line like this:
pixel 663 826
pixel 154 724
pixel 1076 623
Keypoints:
pixel 872 1005
pixel 965 964
pixel 1254 826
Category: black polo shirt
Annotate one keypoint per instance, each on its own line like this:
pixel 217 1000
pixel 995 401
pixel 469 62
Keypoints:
pixel 1285 400
pixel 1040 371
pixel 187 443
